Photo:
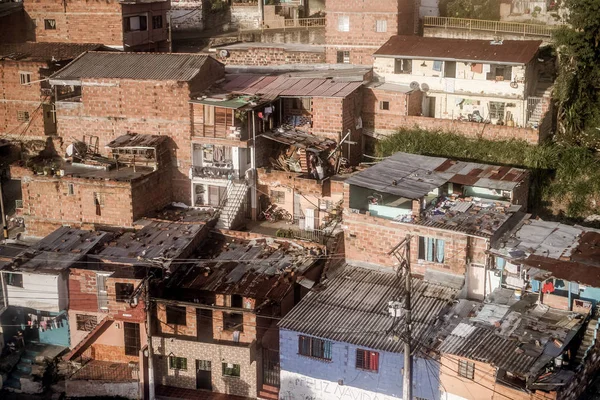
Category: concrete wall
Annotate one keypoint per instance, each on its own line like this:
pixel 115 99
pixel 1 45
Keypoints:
pixel 452 33
pixel 305 377
pixel 217 354
pixel 82 389
pixel 40 291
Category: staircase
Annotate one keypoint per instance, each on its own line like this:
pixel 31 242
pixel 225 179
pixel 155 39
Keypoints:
pixel 230 214
pixel 27 376
pixel 536 104
pixel 589 339
pixel 268 392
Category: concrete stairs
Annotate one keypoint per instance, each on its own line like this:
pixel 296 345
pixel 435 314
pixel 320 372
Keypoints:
pixel 268 392
pixel 543 94
pixel 588 341
pixel 27 376
pixel 230 214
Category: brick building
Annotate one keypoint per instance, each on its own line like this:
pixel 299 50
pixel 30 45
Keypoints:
pixel 385 104
pixel 89 191
pixel 268 54
pixel 453 211
pixel 110 99
pixel 15 25
pixel 216 326
pixel 132 26
pixel 355 29
pixel 107 311
pixel 26 103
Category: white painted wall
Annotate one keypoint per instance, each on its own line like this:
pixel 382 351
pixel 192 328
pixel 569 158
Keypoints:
pixel 40 292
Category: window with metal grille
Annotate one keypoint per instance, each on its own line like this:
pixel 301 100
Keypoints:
pixel 384 105
pixel 344 23
pixel 343 57
pixel 368 360
pixel 313 347
pixel 231 369
pixel 431 249
pixel 381 25
pixel 176 315
pixel 278 196
pixel 123 291
pixel 86 322
pixel 133 343
pixel 497 110
pixel 102 292
pixel 71 189
pixel 466 369
pixel 157 22
pixel 24 77
pixel 49 24
pixel 178 363
pixel 22 116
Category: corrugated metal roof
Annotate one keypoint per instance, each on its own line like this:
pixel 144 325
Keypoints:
pixel 291 86
pixel 137 140
pixel 153 66
pixel 508 52
pixel 413 176
pixel 45 51
pixel 300 139
pixel 353 308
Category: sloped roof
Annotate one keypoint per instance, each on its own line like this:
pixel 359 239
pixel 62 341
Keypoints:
pixel 508 52
pixel 150 66
pixel 137 140
pixel 353 308
pixel 45 51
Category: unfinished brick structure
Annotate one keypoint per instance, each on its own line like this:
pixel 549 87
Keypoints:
pixel 80 195
pixel 112 100
pixel 134 26
pixel 384 106
pixel 270 54
pixel 26 110
pixel 355 29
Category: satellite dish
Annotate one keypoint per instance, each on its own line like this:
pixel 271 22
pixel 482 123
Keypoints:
pixel 76 149
pixel 424 87
pixel 414 85
pixel 224 53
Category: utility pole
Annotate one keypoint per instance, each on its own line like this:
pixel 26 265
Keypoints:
pixel 150 350
pixel 402 253
pixel 4 225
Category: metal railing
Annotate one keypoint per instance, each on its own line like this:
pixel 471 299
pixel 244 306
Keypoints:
pixel 299 23
pixel 211 172
pixel 489 26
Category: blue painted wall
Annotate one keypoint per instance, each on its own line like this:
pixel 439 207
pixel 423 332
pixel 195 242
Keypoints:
pixel 59 336
pixel 305 378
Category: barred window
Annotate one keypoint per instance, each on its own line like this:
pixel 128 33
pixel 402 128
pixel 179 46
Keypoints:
pixel 178 363
pixel 381 25
pixel 313 347
pixel 231 369
pixel 22 116
pixel 24 78
pixel 86 322
pixel 278 196
pixel 466 369
pixel 368 360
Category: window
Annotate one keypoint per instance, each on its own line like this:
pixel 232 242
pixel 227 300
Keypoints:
pixel 176 315
pixel 500 73
pixel 85 322
pixel 49 24
pixel 234 300
pixel 157 22
pixel 98 198
pixel 22 116
pixel 178 363
pixel 431 249
pixel 136 23
pixel 466 369
pixel 384 105
pixel 496 110
pixel 71 189
pixel 437 66
pixel 381 25
pixel 313 347
pixel 344 23
pixel 131 337
pixel 278 196
pixel 123 291
pixel 209 115
pixel 24 77
pixel 368 360
pixel 13 279
pixel 231 369
pixel 402 66
pixel 343 57
pixel 102 293
pixel 233 322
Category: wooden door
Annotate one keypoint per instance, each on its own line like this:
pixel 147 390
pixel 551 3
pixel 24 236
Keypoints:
pixel 203 375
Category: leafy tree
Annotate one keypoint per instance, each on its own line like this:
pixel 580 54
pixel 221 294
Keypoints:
pixel 577 89
pixel 475 9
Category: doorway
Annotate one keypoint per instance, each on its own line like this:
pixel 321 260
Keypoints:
pixel 203 375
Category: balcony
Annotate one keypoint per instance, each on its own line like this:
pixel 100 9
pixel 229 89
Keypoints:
pixel 212 172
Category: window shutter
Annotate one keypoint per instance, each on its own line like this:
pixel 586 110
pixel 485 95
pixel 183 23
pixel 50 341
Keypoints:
pixel 439 244
pixel 374 361
pixel 430 242
pixel 360 358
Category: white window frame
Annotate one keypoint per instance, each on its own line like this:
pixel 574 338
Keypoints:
pixel 25 77
pixel 344 23
pixel 381 25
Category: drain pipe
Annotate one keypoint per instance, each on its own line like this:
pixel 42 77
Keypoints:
pixel 151 395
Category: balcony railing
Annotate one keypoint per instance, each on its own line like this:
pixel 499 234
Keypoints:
pixel 299 23
pixel 212 172
pixel 489 26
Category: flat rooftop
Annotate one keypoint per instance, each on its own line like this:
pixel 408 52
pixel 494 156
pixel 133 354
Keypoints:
pixel 34 51
pixel 289 47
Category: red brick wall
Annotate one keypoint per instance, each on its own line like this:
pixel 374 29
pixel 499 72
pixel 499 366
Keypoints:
pixel 468 129
pixel 77 21
pixel 271 56
pixel 400 104
pixel 15 97
pixel 352 110
pixel 189 329
pixel 291 180
pixel 362 39
pixel 151 193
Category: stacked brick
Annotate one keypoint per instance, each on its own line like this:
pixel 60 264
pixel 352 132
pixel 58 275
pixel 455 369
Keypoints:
pixel 271 56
